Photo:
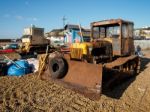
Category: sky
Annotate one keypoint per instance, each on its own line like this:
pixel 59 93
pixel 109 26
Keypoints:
pixel 15 15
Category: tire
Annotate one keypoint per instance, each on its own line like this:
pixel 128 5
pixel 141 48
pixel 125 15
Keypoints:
pixel 58 67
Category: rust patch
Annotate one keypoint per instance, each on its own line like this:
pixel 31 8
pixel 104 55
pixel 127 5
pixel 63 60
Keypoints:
pixel 84 78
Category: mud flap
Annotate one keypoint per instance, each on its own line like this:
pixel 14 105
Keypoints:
pixel 84 78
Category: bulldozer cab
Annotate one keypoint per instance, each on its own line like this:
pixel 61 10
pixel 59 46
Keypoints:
pixel 118 32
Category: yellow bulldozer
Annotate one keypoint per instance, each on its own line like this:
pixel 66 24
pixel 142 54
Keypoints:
pixel 87 64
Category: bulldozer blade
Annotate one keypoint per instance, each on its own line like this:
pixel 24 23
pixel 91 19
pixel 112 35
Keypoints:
pixel 84 78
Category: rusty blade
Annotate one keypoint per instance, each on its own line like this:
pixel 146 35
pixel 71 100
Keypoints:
pixel 84 78
pixel 81 77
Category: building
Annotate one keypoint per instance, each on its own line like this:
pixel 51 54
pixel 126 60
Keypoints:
pixel 142 33
pixel 8 41
pixel 69 34
pixel 56 37
pixel 75 33
pixel 55 33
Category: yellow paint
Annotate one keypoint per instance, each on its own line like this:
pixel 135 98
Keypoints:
pixel 108 39
pixel 84 46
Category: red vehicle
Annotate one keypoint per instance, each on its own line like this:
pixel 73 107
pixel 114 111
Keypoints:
pixel 7 51
pixel 10 48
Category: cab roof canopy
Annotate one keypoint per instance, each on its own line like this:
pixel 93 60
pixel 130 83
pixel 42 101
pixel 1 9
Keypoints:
pixel 110 22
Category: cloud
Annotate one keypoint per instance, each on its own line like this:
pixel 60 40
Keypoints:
pixel 32 19
pixel 7 16
pixel 18 17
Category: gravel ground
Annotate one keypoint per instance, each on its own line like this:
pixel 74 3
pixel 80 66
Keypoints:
pixel 29 94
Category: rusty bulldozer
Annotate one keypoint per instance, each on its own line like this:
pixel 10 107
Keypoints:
pixel 83 69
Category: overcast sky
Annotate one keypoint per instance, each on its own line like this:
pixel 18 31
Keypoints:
pixel 17 14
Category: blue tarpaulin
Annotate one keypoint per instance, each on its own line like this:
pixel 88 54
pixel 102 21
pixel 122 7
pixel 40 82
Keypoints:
pixel 20 68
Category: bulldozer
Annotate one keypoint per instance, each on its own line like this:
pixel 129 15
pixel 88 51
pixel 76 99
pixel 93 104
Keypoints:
pixel 84 68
